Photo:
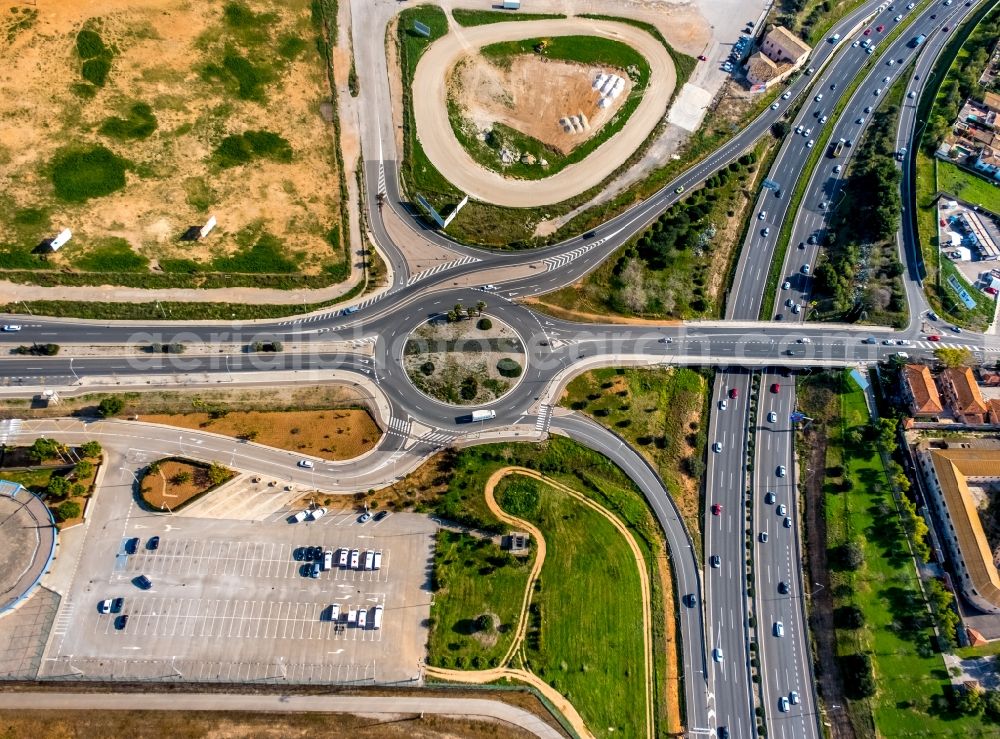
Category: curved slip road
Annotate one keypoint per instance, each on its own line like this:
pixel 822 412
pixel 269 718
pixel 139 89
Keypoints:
pixel 430 111
pixel 354 704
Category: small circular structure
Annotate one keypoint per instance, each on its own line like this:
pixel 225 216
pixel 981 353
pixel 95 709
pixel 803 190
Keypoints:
pixel 28 532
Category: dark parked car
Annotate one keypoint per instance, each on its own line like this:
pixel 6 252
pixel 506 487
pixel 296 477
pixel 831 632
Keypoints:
pixel 132 545
pixel 299 554
pixel 142 582
pixel 380 515
pixel 116 605
pixel 316 569
pixel 153 544
pixel 121 622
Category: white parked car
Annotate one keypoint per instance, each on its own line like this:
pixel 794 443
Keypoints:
pixel 318 514
pixel 306 463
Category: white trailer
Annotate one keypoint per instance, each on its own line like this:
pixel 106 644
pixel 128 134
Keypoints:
pixel 511 4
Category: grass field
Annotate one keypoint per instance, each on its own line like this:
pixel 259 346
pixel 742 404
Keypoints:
pixel 658 411
pixel 327 434
pixel 454 492
pixel 969 187
pixel 585 628
pixel 466 17
pixel 156 116
pixel 897 632
pixel 472 578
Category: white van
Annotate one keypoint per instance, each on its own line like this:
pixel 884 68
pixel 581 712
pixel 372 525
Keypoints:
pixel 342 559
pixel 363 618
pixel 377 620
pixel 301 516
pixel 328 560
pixel 355 556
pixel 335 612
pixel 369 560
pixel 318 514
pixel 352 617
pixel 378 560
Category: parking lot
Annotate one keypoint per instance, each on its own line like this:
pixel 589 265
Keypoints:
pixel 233 600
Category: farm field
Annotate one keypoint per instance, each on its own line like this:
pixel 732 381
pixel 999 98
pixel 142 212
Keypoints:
pixel 131 123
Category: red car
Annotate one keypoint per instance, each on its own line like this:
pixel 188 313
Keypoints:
pixel 868 32
pixel 716 509
pixel 880 28
pixel 990 291
pixel 934 337
pixel 775 387
pixel 734 393
pixel 702 57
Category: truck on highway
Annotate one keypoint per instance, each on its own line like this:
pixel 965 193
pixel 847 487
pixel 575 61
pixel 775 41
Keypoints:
pixel 917 40
pixel 836 149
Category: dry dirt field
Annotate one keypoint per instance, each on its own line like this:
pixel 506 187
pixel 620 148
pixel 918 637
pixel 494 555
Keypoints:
pixel 206 70
pixel 328 434
pixel 224 725
pixel 532 95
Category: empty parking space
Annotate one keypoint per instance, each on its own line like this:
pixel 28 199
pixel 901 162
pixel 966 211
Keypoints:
pixel 239 598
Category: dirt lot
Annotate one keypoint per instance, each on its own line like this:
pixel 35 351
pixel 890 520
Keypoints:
pixel 531 96
pixel 328 434
pixel 172 56
pixel 198 724
pixel 173 483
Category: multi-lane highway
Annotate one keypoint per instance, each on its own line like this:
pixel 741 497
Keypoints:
pixel 714 619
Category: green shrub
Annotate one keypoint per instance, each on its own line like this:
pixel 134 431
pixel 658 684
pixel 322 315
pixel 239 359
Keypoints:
pixel 469 389
pixel 91 449
pixel 520 497
pixel 427 368
pixel 484 324
pixel 250 78
pixel 81 173
pixel 58 487
pixel 96 71
pixel 180 266
pixel 90 45
pixel 140 123
pixel 245 147
pixel 291 46
pixel 67 510
pixel 113 254
pixel 507 367
pixel 110 406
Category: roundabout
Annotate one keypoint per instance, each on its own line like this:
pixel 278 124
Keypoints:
pixel 454 162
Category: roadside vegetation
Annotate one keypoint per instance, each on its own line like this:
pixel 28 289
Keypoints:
pixel 61 475
pixel 811 19
pixel 886 648
pixel 661 414
pixel 957 72
pixel 482 223
pixel 859 275
pixel 680 266
pixel 967 186
pixel 451 487
pixel 589 50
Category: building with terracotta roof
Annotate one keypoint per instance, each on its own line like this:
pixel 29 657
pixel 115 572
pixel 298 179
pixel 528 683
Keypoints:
pixel 761 70
pixel 993 413
pixel 781 45
pixel 921 392
pixel 991 100
pixel 962 395
pixel 950 473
